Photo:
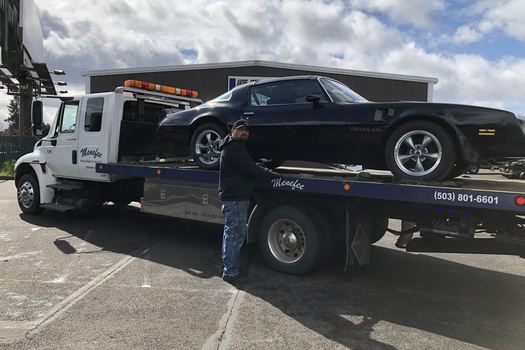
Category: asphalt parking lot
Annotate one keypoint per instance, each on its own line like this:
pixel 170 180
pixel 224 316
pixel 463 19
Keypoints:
pixel 117 279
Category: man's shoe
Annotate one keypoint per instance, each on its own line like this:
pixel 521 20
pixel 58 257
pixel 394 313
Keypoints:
pixel 233 280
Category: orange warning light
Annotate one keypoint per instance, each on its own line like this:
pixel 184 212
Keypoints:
pixel 139 84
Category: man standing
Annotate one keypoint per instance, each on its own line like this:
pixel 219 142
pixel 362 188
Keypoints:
pixel 237 174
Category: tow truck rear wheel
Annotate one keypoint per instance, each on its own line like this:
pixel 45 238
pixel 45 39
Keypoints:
pixel 379 227
pixel 28 194
pixel 290 240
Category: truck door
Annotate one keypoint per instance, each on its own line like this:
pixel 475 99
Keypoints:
pixel 62 157
pixel 93 140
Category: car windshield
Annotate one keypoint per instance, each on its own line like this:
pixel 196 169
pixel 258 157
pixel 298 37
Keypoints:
pixel 224 97
pixel 340 92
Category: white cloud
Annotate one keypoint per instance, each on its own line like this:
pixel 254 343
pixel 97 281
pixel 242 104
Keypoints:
pixel 466 35
pixel 415 12
pixel 493 15
pixel 468 79
pixel 505 15
pixel 85 35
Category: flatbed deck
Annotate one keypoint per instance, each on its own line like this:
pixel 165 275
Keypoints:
pixel 485 191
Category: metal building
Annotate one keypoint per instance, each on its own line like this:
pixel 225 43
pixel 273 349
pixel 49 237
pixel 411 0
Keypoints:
pixel 210 80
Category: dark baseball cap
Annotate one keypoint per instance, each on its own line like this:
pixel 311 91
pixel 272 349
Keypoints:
pixel 241 123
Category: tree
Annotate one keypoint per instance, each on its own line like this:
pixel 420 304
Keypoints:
pixel 13 109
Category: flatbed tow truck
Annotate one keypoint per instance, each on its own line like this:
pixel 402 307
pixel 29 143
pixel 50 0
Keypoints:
pixel 298 219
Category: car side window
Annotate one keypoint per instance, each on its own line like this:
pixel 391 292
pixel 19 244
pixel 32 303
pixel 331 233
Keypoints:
pixel 285 92
pixel 69 118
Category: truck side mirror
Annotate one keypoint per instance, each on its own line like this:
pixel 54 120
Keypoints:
pixel 37 118
pixel 315 100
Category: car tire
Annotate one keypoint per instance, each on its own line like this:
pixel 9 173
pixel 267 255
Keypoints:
pixel 420 150
pixel 302 251
pixel 28 195
pixel 204 140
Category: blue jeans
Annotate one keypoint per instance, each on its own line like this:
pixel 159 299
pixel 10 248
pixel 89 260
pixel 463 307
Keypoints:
pixel 235 217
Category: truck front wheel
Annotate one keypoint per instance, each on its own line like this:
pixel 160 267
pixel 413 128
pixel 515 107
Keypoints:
pixel 28 194
pixel 290 241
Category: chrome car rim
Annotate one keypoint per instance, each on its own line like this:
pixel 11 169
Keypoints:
pixel 26 194
pixel 286 241
pixel 418 153
pixel 206 145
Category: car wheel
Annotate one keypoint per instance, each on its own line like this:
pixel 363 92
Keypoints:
pixel 28 194
pixel 420 150
pixel 204 145
pixel 290 240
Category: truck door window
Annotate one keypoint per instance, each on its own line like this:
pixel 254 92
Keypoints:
pixel 93 120
pixel 69 118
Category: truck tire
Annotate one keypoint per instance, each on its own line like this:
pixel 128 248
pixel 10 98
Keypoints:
pixel 379 227
pixel 204 141
pixel 28 195
pixel 290 240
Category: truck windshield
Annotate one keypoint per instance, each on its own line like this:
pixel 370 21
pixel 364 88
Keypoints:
pixel 340 92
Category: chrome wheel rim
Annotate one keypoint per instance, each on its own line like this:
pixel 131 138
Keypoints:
pixel 418 153
pixel 206 145
pixel 26 194
pixel 286 241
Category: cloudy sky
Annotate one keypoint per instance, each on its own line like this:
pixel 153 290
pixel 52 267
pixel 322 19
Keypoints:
pixel 474 47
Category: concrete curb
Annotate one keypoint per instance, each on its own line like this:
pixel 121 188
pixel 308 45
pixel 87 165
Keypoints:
pixel 7 177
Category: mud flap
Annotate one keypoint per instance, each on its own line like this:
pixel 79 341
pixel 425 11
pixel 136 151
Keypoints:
pixel 358 238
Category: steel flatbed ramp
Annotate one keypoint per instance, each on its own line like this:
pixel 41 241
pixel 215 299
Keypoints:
pixel 475 192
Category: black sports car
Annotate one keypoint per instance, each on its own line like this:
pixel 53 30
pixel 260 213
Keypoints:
pixel 319 119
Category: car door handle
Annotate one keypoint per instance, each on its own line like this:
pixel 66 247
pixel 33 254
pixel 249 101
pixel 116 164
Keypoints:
pixel 71 139
pixel 248 114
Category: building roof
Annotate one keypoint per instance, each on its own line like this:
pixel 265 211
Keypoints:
pixel 314 69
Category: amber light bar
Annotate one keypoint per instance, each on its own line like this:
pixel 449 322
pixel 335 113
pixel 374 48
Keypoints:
pixel 160 88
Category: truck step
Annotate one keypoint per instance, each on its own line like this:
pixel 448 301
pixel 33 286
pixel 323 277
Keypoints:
pixel 57 207
pixel 66 186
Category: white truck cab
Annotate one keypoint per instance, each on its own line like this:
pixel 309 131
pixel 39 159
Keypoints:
pixel 87 130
